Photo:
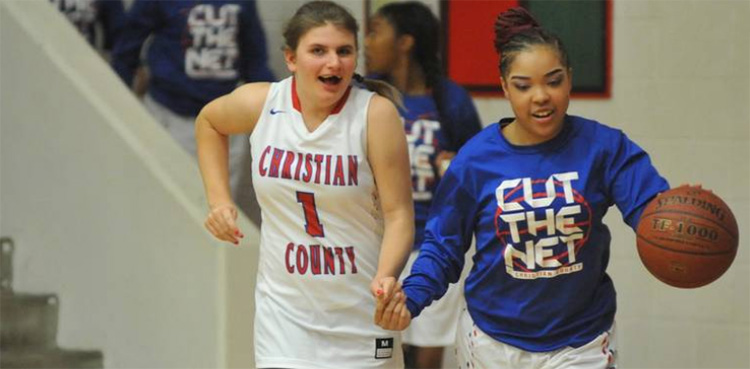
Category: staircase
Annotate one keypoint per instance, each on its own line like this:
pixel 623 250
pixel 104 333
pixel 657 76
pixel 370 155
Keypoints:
pixel 28 326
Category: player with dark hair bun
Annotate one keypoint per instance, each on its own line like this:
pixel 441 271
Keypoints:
pixel 533 189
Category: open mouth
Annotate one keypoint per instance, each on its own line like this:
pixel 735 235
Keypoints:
pixel 330 80
pixel 542 114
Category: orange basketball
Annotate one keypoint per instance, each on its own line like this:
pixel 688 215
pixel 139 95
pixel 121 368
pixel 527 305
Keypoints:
pixel 687 237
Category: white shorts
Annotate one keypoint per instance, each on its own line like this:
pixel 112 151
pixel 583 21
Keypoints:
pixel 436 325
pixel 477 350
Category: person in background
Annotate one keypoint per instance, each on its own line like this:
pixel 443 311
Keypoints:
pixel 335 197
pixel 402 48
pixel 100 22
pixel 200 50
pixel 533 189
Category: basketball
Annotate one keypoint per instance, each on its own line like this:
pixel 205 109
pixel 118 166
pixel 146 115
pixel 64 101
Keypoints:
pixel 687 237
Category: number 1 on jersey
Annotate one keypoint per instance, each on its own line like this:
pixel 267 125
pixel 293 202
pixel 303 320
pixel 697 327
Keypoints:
pixel 312 222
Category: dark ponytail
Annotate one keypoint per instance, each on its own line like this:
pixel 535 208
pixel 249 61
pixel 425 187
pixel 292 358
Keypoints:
pixel 381 88
pixel 516 30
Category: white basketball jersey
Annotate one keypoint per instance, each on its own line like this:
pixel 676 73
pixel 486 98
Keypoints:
pixel 320 238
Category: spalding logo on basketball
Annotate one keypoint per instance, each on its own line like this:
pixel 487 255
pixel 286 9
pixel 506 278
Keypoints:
pixel 687 237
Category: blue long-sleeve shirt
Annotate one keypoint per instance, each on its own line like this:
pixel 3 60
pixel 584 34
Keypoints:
pixel 539 278
pixel 199 51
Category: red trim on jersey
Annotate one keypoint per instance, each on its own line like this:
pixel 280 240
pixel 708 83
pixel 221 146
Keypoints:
pixel 342 101
pixel 336 109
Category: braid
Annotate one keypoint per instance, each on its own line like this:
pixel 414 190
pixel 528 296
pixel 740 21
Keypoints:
pixel 517 30
pixel 434 79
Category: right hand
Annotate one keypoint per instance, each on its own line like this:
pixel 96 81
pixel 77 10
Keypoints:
pixel 222 223
pixel 395 316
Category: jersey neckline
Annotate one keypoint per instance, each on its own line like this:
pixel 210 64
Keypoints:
pixel 559 140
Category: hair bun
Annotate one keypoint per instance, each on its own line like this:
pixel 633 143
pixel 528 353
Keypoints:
pixel 511 22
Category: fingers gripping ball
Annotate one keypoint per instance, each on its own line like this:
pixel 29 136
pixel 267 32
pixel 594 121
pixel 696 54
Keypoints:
pixel 687 237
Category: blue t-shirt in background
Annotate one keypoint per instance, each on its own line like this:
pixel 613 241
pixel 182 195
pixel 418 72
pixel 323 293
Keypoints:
pixel 428 134
pixel 99 21
pixel 200 49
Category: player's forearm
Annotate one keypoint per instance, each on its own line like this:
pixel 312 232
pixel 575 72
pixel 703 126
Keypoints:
pixel 213 158
pixel 430 276
pixel 397 242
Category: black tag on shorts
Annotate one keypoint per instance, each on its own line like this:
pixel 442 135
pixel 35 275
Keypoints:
pixel 383 348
